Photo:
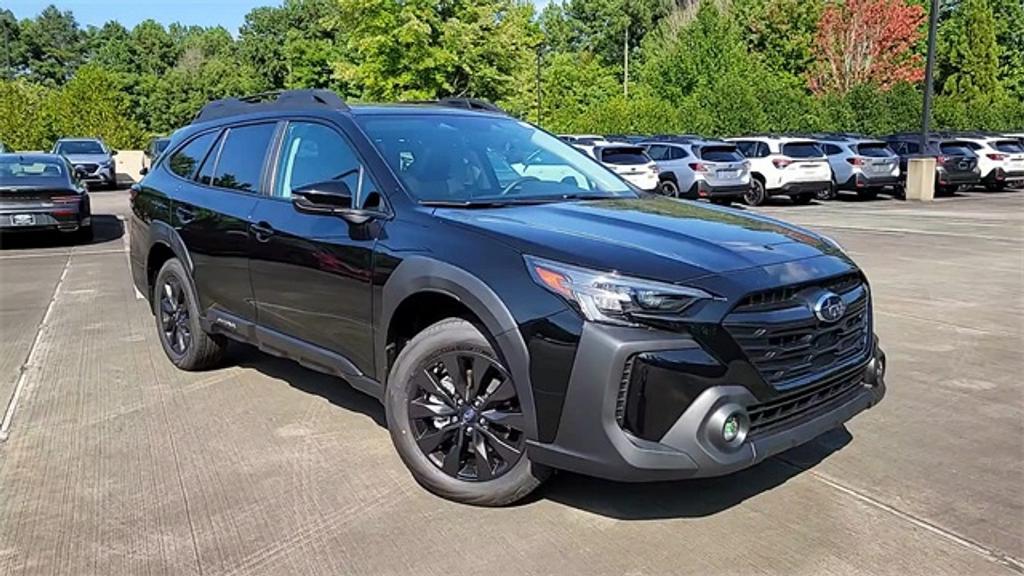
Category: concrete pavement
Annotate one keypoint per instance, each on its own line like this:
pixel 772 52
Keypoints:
pixel 117 463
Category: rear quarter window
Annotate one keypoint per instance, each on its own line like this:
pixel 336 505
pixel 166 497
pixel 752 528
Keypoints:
pixel 185 161
pixel 802 150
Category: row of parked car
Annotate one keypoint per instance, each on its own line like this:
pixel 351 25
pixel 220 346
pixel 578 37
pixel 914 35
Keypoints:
pixel 803 166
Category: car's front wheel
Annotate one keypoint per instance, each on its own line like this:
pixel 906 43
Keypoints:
pixel 456 419
pixel 669 188
pixel 176 308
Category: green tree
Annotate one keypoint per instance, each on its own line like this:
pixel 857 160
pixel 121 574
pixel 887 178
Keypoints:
pixel 90 105
pixel 571 83
pixel 1010 37
pixel 600 26
pixel 53 46
pixel 20 127
pixel 968 54
pixel 417 49
pixel 782 31
pixel 11 51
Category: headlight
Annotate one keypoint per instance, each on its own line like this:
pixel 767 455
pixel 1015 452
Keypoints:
pixel 611 298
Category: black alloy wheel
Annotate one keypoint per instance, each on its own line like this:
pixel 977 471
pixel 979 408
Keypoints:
pixel 174 316
pixel 465 416
pixel 756 195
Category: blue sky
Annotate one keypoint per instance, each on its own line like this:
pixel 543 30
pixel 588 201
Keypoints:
pixel 227 13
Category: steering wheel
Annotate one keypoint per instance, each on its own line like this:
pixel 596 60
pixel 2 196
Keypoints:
pixel 507 190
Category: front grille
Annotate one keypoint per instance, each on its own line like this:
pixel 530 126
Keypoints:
pixel 790 407
pixel 788 345
pixel 90 168
pixel 620 402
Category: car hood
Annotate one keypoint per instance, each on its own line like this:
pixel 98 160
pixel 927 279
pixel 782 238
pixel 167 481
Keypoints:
pixel 87 158
pixel 657 238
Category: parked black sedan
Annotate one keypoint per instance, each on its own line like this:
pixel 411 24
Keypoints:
pixel 41 192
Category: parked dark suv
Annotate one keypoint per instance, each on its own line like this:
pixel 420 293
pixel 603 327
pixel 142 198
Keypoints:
pixel 510 324
pixel 956 164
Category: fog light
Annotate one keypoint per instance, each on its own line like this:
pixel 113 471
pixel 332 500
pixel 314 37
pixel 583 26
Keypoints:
pixel 731 428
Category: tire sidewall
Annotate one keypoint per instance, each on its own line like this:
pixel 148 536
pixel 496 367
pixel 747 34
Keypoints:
pixel 447 335
pixel 756 196
pixel 669 188
pixel 175 268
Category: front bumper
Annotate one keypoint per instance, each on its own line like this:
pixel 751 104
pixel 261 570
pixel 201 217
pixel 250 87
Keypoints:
pixel 592 441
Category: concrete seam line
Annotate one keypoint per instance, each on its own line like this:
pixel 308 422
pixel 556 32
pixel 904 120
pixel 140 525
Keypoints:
pixel 963 541
pixel 59 254
pixel 911 231
pixel 12 405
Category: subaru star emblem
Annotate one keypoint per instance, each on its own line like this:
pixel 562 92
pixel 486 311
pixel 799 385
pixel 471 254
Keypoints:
pixel 829 308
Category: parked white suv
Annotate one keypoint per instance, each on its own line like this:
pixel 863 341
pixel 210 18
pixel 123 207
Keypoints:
pixel 784 166
pixel 859 164
pixel 697 168
pixel 630 162
pixel 1000 159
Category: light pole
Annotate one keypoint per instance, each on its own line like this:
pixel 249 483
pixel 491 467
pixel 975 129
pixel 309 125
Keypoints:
pixel 929 67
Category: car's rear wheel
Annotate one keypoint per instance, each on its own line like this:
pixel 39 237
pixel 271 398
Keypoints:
pixel 829 193
pixel 456 419
pixel 669 188
pixel 802 198
pixel 756 195
pixel 176 308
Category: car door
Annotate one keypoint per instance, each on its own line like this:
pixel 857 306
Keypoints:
pixel 311 273
pixel 211 213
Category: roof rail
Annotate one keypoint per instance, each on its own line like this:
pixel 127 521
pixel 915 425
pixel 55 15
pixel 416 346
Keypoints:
pixel 270 101
pixel 471 104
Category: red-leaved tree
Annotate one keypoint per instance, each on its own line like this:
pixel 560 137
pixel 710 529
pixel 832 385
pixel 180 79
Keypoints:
pixel 866 41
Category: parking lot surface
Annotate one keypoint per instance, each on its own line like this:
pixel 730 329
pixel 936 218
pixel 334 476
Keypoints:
pixel 116 463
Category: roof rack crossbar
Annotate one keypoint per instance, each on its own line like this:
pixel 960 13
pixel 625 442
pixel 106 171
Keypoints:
pixel 269 101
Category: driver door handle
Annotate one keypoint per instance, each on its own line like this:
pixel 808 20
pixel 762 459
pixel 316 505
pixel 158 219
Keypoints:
pixel 262 231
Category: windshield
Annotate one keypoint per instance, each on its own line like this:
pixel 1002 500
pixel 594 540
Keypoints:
pixel 468 159
pixel 15 171
pixel 878 150
pixel 628 155
pixel 802 150
pixel 720 154
pixel 1010 146
pixel 80 147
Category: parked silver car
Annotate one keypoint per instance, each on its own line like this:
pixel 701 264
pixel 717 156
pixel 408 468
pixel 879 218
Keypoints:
pixel 697 168
pixel 93 160
pixel 859 164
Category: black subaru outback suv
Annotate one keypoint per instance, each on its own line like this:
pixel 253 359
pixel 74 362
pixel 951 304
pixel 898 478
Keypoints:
pixel 515 305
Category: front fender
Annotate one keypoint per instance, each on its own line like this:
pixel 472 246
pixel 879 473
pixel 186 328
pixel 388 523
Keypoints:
pixel 418 274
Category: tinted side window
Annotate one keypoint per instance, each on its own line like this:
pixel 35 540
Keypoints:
pixel 187 159
pixel 240 163
pixel 762 150
pixel 312 153
pixel 912 147
pixel 205 175
pixel 832 149
pixel 748 149
pixel 676 153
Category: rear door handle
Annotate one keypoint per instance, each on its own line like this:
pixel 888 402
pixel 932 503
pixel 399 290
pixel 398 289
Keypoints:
pixel 184 215
pixel 262 231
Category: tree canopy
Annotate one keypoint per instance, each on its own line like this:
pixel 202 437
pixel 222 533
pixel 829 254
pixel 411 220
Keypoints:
pixel 709 66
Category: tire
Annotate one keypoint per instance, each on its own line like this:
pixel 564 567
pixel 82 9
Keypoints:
pixel 802 199
pixel 669 188
pixel 436 422
pixel 869 194
pixel 176 310
pixel 756 196
pixel 829 193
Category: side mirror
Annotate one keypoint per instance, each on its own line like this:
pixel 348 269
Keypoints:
pixel 143 171
pixel 333 198
pixel 113 152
